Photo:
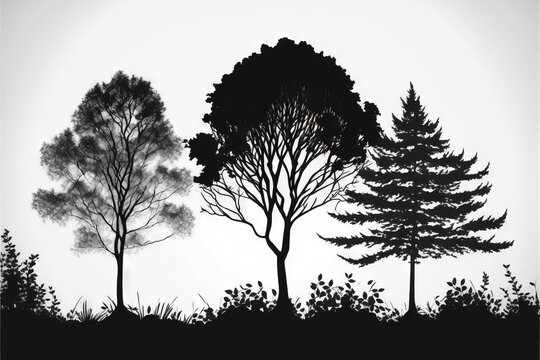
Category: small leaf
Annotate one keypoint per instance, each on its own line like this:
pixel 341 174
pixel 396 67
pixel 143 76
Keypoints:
pixel 319 277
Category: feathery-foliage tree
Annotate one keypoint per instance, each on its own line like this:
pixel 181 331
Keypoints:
pixel 420 198
pixel 116 174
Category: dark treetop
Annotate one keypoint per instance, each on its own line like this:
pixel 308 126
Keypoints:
pixel 288 134
pixel 286 86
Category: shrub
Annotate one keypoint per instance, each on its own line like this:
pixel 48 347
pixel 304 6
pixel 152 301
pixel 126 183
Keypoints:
pixel 20 289
pixel 249 297
pixel 330 297
pixel 465 297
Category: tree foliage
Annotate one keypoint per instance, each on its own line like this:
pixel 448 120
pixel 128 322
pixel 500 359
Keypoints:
pixel 112 167
pixel 287 134
pixel 421 197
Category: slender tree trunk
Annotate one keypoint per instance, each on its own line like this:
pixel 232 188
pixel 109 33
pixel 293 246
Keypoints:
pixel 412 312
pixel 283 298
pixel 412 302
pixel 120 313
pixel 120 282
pixel 284 305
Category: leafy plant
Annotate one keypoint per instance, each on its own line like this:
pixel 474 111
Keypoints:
pixel 250 297
pixel 19 288
pixel 462 296
pixel 517 299
pixel 327 296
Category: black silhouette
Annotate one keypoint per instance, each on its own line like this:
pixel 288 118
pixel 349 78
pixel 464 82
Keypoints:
pixel 288 135
pixel 340 320
pixel 19 289
pixel 417 202
pixel 113 168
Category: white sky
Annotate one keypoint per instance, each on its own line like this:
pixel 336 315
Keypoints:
pixel 474 64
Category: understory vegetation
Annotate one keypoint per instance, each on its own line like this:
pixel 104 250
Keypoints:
pixel 21 291
pixel 336 313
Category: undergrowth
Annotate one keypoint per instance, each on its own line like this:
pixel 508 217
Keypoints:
pixel 20 290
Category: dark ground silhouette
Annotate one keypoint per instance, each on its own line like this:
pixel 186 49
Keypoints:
pixel 467 334
pixel 338 320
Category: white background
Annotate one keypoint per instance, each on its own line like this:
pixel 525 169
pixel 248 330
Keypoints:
pixel 474 64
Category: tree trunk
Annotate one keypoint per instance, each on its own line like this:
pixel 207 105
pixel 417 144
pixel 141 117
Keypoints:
pixel 120 282
pixel 284 305
pixel 120 313
pixel 283 302
pixel 412 302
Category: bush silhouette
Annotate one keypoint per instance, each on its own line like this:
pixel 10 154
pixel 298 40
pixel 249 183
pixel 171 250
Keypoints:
pixel 20 290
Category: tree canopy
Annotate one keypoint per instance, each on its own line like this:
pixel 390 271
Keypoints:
pixel 288 133
pixel 269 89
pixel 115 169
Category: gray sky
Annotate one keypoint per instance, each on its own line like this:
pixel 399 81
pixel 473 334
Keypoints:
pixel 474 64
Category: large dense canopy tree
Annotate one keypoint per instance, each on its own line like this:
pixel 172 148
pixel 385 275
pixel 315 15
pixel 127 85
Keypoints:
pixel 115 169
pixel 421 198
pixel 288 134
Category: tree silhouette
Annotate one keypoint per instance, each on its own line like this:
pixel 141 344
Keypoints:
pixel 113 167
pixel 288 133
pixel 420 200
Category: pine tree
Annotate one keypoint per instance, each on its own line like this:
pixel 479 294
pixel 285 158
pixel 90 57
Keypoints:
pixel 421 198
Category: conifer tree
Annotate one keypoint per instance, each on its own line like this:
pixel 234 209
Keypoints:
pixel 421 198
